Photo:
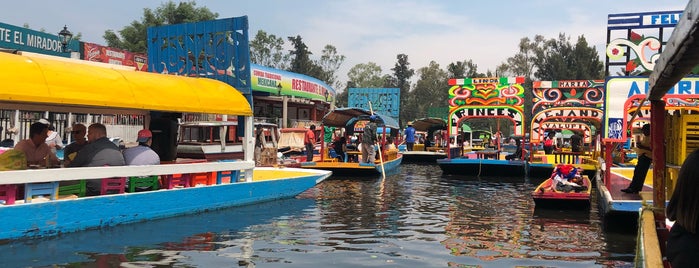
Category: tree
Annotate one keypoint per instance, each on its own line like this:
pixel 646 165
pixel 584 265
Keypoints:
pixel 558 59
pixel 462 69
pixel 134 37
pixel 268 50
pixel 431 90
pixel 329 63
pixel 301 62
pixel 402 74
pixel 366 75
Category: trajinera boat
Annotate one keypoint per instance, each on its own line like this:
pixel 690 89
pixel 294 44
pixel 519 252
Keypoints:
pixel 492 97
pixel 80 90
pixel 421 153
pixel 566 188
pixel 353 120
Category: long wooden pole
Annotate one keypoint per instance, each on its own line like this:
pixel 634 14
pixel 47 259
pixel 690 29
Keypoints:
pixel 383 171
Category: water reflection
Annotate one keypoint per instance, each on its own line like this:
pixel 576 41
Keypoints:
pixel 415 218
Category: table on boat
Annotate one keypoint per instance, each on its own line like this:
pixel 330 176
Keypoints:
pixel 565 157
pixel 486 154
pixel 353 156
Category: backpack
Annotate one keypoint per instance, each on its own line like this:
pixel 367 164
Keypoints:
pixel 548 142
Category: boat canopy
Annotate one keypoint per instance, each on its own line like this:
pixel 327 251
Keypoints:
pixel 429 124
pixel 347 117
pixel 44 80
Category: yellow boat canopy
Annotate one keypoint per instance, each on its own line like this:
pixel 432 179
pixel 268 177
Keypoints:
pixel 42 80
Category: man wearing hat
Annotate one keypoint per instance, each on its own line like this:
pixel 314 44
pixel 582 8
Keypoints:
pixel 142 154
pixel 368 141
pixel 409 136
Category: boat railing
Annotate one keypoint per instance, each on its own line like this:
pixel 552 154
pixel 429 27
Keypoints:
pixel 80 173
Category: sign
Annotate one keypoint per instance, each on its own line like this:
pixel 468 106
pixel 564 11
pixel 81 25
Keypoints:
pixel 643 20
pixel 23 39
pixel 282 83
pixel 99 53
pixel 624 95
pixel 466 112
pixel 563 125
pixel 383 100
pixel 563 113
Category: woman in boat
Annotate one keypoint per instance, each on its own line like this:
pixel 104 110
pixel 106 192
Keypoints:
pixel 566 179
pixel 683 208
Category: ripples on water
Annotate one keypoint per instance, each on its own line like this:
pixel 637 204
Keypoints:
pixel 415 218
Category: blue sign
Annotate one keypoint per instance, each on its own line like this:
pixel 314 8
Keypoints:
pixel 383 100
pixel 23 39
pixel 216 49
pixel 643 20
pixel 616 128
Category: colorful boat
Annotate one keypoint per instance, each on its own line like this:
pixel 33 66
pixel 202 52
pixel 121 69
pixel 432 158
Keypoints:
pixel 78 90
pixel 547 195
pixel 420 154
pixel 485 99
pixel 353 120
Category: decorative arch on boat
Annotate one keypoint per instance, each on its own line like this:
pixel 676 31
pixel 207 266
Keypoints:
pixel 569 101
pixel 489 97
pixel 558 125
pixel 564 114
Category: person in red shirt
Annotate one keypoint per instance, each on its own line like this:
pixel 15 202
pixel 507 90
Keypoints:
pixel 309 140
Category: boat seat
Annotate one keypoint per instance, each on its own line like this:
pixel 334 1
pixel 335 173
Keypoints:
pixel 173 180
pixel 205 178
pixel 78 189
pixel 231 175
pixel 137 184
pixel 42 188
pixel 8 193
pixel 113 185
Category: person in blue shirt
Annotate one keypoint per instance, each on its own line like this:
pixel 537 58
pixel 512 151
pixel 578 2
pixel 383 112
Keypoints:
pixel 409 136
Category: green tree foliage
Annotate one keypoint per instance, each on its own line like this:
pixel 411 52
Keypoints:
pixel 559 59
pixel 462 69
pixel 268 50
pixel 330 61
pixel 301 61
pixel 431 90
pixel 133 37
pixel 401 79
pixel 363 75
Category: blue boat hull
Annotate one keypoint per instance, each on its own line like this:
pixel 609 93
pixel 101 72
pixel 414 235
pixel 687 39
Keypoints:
pixel 62 216
pixel 483 167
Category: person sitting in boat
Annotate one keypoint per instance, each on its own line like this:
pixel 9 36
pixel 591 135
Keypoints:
pixel 78 132
pixel 99 151
pixel 567 178
pixel 142 154
pixel 37 152
pixel 340 147
pixel 518 152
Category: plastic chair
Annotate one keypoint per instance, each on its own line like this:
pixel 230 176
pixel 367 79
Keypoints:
pixel 78 189
pixel 111 185
pixel 139 183
pixel 205 178
pixel 42 188
pixel 174 180
pixel 8 193
pixel 231 175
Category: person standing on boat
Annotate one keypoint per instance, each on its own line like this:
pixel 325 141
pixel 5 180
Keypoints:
pixel 309 140
pixel 683 209
pixel 259 144
pixel 409 136
pixel 71 150
pixel 142 154
pixel 368 141
pixel 576 142
pixel 550 142
pixel 98 152
pixel 644 159
pixel 36 150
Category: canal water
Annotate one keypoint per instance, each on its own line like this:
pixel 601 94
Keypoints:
pixel 415 218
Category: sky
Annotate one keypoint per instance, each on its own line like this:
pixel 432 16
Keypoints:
pixel 445 31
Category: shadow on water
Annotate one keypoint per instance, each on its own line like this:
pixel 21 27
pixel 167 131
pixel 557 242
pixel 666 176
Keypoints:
pixel 191 232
